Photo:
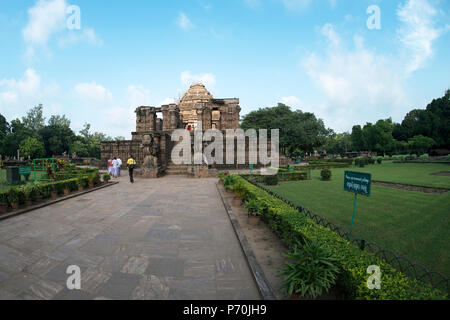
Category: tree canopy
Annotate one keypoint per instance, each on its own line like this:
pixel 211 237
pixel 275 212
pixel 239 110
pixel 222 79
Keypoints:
pixel 298 130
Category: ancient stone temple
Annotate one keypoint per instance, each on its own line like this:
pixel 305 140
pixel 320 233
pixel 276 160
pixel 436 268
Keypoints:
pixel 198 105
pixel 151 144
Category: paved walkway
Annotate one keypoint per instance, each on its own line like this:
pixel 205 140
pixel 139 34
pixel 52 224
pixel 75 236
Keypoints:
pixel 157 239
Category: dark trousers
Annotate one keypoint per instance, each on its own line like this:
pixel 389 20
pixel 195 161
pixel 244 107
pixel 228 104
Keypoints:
pixel 130 170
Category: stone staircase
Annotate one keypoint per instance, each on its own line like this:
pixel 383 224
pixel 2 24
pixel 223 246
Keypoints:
pixel 173 169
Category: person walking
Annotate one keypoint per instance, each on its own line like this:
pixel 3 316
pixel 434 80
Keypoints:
pixel 110 167
pixel 131 165
pixel 119 168
pixel 115 164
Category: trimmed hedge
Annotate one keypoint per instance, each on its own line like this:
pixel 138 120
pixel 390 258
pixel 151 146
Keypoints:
pixel 292 226
pixel 281 176
pixel 19 194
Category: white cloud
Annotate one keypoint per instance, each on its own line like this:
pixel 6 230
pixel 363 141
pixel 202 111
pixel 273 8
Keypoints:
pixel 418 31
pixel 328 30
pixel 296 4
pixel 291 101
pixel 74 37
pixel 207 79
pixel 357 84
pixel 93 94
pixel 19 95
pixel 47 18
pixel 184 22
pixel 167 101
pixel 138 96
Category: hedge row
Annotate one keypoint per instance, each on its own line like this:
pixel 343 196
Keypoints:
pixel 283 176
pixel 292 226
pixel 33 191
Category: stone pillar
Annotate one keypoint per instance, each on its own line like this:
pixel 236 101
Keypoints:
pixel 166 118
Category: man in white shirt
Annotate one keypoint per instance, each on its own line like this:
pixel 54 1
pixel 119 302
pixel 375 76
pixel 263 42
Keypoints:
pixel 119 168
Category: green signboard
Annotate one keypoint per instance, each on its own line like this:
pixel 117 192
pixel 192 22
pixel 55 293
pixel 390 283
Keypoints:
pixel 25 171
pixel 357 182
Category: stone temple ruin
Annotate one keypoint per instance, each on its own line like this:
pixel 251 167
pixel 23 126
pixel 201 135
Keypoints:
pixel 151 144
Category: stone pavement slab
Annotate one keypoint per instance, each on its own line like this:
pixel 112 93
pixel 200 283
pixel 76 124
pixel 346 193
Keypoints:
pixel 168 238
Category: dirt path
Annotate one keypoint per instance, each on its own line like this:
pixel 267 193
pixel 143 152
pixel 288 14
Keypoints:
pixel 410 187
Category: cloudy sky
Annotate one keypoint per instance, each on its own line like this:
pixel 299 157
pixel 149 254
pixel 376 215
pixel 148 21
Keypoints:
pixel 318 56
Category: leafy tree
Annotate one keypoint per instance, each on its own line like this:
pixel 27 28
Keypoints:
pixel 384 142
pixel 421 144
pixel 4 130
pixel 338 143
pixel 34 119
pixel 59 121
pixel 358 142
pixel 18 133
pixel 298 130
pixel 80 148
pixel 32 147
pixel 57 139
pixel 433 122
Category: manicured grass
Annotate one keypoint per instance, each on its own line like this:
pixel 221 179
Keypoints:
pixel 412 224
pixel 417 174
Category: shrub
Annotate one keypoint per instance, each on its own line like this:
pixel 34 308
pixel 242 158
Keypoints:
pixel 292 176
pixel 59 187
pixel 371 160
pixel 291 227
pixel 325 174
pixel 82 181
pixel 424 157
pixel 253 207
pixel 72 184
pixel 13 195
pixel 3 196
pixel 44 189
pixel 106 177
pixel 240 190
pixel 380 160
pixel 30 192
pixel 271 180
pixel 312 271
pixel 228 181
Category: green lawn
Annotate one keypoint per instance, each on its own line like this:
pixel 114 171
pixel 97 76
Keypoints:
pixel 409 173
pixel 412 224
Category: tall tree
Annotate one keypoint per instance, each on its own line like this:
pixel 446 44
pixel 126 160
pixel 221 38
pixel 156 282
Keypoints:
pixel 59 121
pixel 34 119
pixel 32 147
pixel 298 130
pixel 358 142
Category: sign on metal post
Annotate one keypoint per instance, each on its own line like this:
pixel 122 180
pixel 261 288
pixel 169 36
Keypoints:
pixel 357 183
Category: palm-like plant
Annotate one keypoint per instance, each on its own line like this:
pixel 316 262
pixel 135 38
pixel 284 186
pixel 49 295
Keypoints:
pixel 312 270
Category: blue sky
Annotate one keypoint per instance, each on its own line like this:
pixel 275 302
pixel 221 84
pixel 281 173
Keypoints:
pixel 315 55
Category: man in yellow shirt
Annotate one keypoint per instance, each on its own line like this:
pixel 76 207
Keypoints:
pixel 131 165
